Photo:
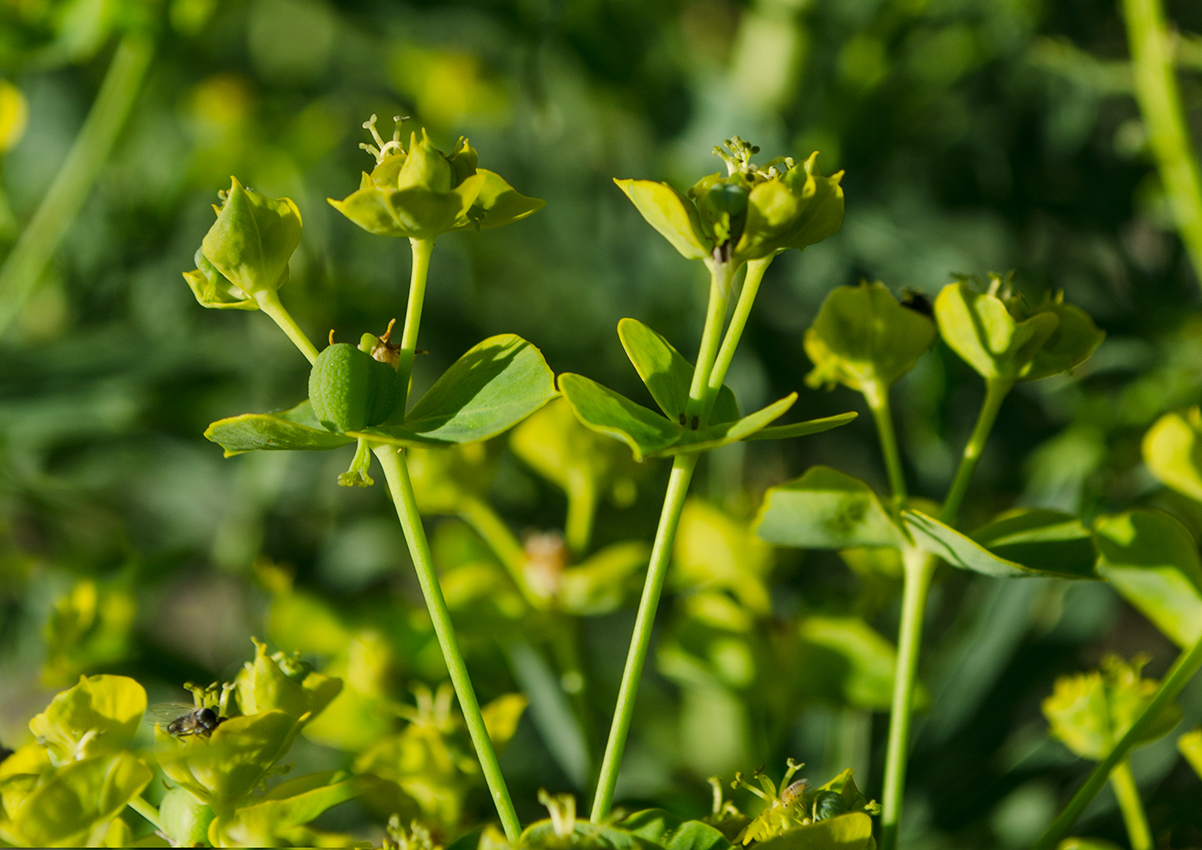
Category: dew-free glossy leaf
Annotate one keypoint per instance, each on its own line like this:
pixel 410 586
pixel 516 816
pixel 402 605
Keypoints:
pixel 491 388
pixel 965 553
pixel 97 716
pixel 1151 559
pixel 78 797
pixel 608 412
pixel 669 212
pixel 724 433
pixel 802 429
pixel 1048 541
pixel 1173 452
pixel 294 429
pixel 846 832
pixel 497 203
pixel 826 509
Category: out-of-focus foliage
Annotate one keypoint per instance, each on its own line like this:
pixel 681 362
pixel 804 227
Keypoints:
pixel 973 137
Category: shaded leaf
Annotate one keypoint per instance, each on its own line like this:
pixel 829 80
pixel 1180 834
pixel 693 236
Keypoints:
pixel 826 509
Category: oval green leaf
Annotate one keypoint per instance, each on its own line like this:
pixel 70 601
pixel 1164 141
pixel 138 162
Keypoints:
pixel 826 509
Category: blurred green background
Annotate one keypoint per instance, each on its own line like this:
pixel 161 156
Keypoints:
pixel 976 136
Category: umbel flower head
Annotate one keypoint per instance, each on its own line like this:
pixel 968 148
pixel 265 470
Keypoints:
pixel 749 213
pixel 420 192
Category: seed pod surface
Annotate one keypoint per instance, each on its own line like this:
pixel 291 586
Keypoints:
pixel 350 390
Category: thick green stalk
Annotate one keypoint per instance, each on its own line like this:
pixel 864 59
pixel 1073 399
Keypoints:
pixel 657 571
pixel 734 332
pixel 877 396
pixel 715 315
pixel 1183 670
pixel 269 302
pixel 22 270
pixel 1132 807
pixel 146 810
pixel 919 567
pixel 1159 99
pixel 397 473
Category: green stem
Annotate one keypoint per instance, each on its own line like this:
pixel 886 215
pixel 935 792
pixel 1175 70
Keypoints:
pixel 1159 99
pixel 397 473
pixel 877 396
pixel 146 810
pixel 269 302
pixel 1186 666
pixel 715 316
pixel 422 248
pixel 995 392
pixel 661 551
pixel 1132 807
pixel 919 567
pixel 738 322
pixel 582 509
pixel 23 268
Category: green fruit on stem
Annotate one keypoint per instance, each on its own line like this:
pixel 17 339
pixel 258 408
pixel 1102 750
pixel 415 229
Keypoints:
pixel 350 390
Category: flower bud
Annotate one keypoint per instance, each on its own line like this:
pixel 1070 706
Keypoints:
pixel 1004 338
pixel 863 338
pixel 250 243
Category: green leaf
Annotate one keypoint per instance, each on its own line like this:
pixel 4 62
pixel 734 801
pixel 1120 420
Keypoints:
pixel 289 804
pixel 665 371
pixel 184 818
pixel 826 509
pixel 492 387
pixel 599 584
pixel 78 797
pixel 1173 452
pixel 668 831
pixel 1190 745
pixel 980 328
pixel 1048 541
pixel 865 339
pixel 1152 560
pixel 802 429
pixel 669 212
pixel 846 832
pixel 295 429
pixel 724 433
pixel 608 412
pixel 279 682
pixel 713 551
pixel 498 203
pixel 97 716
pixel 227 766
pixel 967 554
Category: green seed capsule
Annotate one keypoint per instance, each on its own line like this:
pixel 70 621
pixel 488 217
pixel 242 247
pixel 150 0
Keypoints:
pixel 829 804
pixel 350 390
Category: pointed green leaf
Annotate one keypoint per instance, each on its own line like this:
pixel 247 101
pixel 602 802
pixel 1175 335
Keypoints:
pixel 846 832
pixel 491 388
pixel 294 429
pixel 724 433
pixel 1152 560
pixel 802 429
pixel 608 412
pixel 669 212
pixel 967 554
pixel 1048 541
pixel 1173 452
pixel 498 203
pixel 663 369
pixel 826 509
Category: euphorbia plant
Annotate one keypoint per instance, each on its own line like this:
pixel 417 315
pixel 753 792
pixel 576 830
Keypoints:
pixel 743 218
pixel 359 394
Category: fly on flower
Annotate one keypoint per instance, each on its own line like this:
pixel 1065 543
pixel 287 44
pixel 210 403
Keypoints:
pixel 181 720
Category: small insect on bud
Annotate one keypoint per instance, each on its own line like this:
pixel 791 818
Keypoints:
pixel 794 792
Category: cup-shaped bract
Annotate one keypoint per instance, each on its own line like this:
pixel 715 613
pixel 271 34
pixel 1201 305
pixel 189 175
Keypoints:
pixel 420 192
pixel 864 338
pixel 1004 338
pixel 281 682
pixel 749 213
pixel 250 245
pixel 213 289
pixel 1172 450
pixel 95 717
